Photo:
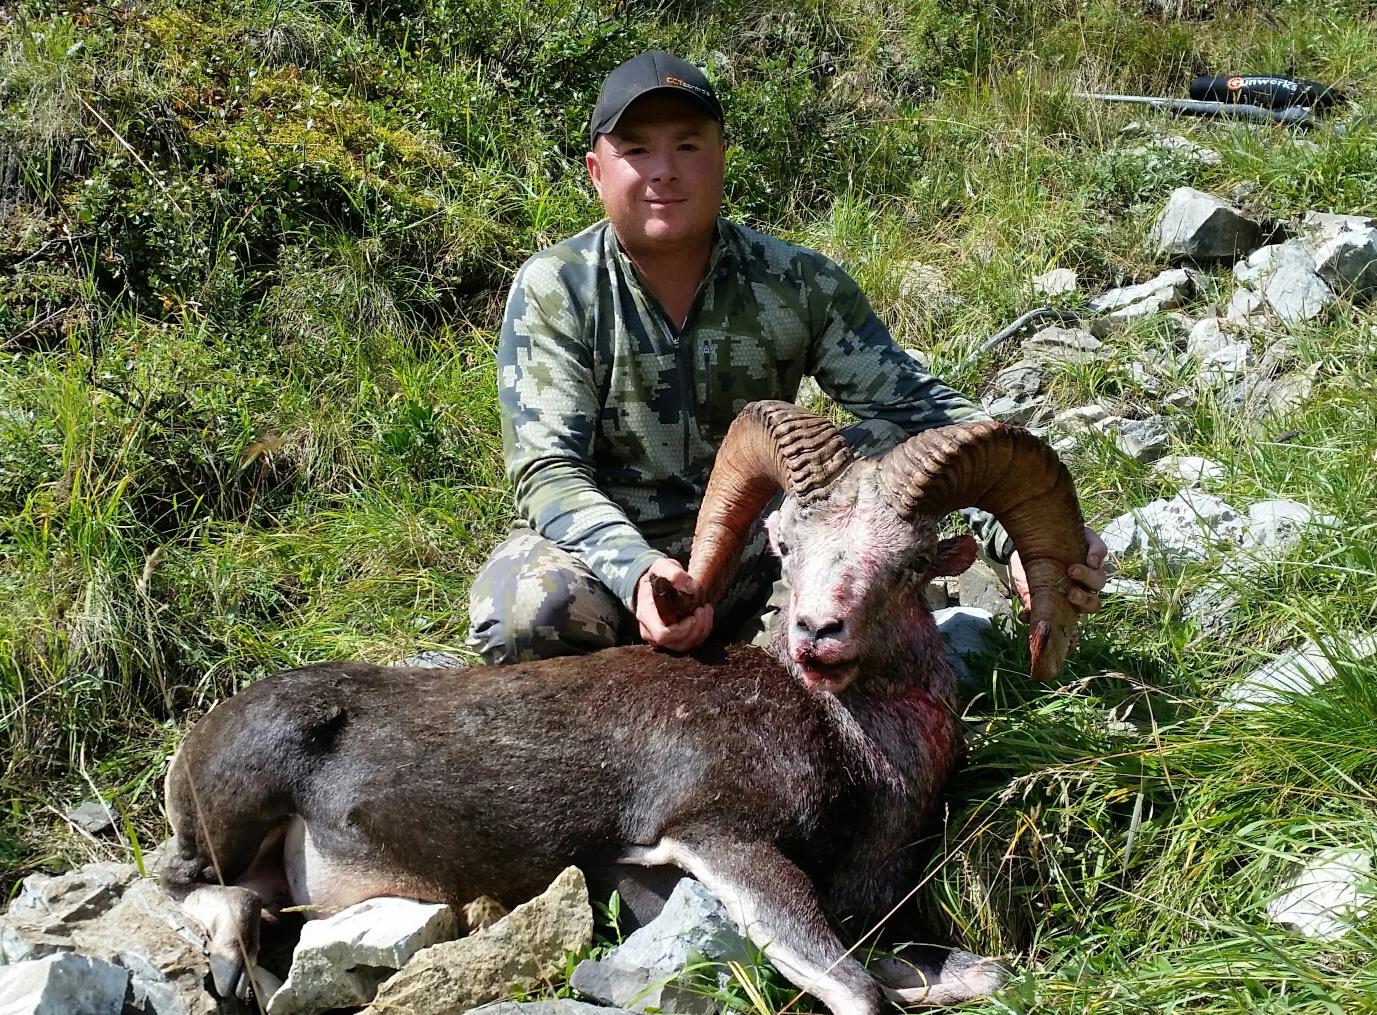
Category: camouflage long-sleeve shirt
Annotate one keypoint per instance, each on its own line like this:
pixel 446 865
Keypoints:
pixel 611 417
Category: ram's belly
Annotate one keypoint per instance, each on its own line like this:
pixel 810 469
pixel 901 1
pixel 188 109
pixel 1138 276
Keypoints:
pixel 323 882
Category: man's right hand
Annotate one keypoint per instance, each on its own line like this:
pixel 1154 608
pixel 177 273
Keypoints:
pixel 687 633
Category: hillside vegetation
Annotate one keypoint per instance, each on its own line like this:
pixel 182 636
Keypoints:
pixel 253 257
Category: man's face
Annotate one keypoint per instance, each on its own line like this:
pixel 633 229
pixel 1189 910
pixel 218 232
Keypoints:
pixel 659 174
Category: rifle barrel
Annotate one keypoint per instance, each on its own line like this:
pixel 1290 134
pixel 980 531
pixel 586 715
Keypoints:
pixel 1297 115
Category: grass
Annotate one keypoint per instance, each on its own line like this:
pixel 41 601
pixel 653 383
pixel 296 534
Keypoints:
pixel 252 262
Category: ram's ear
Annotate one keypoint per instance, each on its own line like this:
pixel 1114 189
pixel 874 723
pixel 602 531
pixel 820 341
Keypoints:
pixel 954 555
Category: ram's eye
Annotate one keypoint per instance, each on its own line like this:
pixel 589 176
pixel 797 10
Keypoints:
pixel 920 566
pixel 783 549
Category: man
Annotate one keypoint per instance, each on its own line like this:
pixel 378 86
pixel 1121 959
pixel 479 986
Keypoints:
pixel 625 353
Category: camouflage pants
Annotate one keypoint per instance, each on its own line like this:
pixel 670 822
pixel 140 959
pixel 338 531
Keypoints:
pixel 534 600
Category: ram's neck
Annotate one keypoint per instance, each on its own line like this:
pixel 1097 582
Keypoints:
pixel 905 698
pixel 907 656
pixel 899 713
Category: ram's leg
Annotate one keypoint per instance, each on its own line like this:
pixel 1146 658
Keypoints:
pixel 930 978
pixel 775 905
pixel 222 872
pixel 231 914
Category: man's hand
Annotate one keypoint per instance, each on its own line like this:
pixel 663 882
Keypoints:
pixel 1090 575
pixel 689 632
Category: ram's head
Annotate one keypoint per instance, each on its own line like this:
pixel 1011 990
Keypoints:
pixel 858 537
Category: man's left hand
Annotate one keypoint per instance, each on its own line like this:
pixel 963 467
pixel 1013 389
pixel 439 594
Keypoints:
pixel 683 635
pixel 1089 577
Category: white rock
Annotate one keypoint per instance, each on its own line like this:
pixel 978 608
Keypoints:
pixel 108 912
pixel 642 973
pixel 1125 588
pixel 1173 532
pixel 1245 307
pixel 1147 378
pixel 1213 604
pixel 1022 378
pixel 71 897
pixel 1206 338
pixel 1122 535
pixel 1347 261
pixel 1014 410
pixel 1083 417
pixel 1266 533
pixel 1062 345
pixel 63 984
pixel 1282 349
pixel 1148 307
pixel 966 633
pixel 1177 145
pixel 1067 443
pixel 1330 893
pixel 521 951
pixel 557 1006
pixel 939 593
pixel 926 284
pixel 980 586
pixel 1296 293
pixel 1227 364
pixel 1278 525
pixel 340 961
pixel 1259 396
pixel 1197 225
pixel 1318 225
pixel 1285 274
pixel 1298 671
pixel 1181 399
pixel 1177 326
pixel 1055 282
pixel 1143 440
pixel 91 816
pixel 1199 153
pixel 809 395
pixel 1166 291
pixel 1189 469
pixel 1264 260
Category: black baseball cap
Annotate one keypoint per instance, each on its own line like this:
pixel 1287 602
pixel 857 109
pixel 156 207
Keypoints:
pixel 650 72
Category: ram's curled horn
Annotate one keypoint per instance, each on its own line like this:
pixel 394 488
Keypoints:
pixel 770 446
pixel 1017 478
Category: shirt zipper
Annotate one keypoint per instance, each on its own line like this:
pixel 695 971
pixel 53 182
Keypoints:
pixel 676 337
pixel 686 369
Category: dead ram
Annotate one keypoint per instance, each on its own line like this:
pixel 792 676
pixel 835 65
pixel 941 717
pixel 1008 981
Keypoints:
pixel 789 783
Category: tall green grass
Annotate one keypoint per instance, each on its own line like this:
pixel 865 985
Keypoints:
pixel 252 262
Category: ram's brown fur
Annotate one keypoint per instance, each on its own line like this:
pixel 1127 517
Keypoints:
pixel 792 784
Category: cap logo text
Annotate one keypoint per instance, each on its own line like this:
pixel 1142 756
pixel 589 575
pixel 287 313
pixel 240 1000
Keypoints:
pixel 670 79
